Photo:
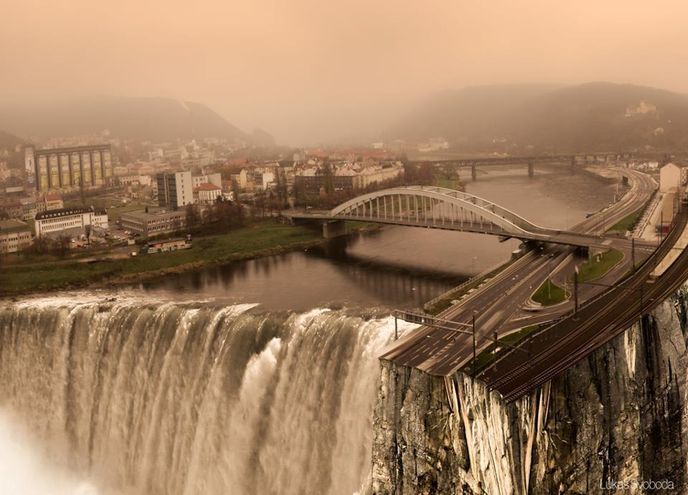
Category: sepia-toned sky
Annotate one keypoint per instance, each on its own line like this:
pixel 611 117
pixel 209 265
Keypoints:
pixel 310 70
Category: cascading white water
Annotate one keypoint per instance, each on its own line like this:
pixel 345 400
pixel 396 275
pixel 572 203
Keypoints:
pixel 163 398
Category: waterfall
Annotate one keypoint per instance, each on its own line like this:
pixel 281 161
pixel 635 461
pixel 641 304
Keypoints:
pixel 166 398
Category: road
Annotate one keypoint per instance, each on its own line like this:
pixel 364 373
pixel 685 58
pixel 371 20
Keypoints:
pixel 498 304
pixel 560 346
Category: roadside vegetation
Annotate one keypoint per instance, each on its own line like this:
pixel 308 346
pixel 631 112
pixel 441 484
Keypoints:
pixel 599 265
pixel 549 293
pixel 630 221
pixel 254 240
pixel 627 223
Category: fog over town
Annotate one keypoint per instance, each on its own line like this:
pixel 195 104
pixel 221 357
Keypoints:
pixel 343 247
pixel 308 71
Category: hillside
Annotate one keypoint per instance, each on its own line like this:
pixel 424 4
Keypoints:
pixel 154 119
pixel 587 117
pixel 8 141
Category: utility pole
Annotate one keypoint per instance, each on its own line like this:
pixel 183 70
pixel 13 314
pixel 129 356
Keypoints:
pixel 396 331
pixel 474 353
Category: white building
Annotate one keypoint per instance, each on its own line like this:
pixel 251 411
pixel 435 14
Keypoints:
pixel 215 179
pixel 134 179
pixel 208 193
pixel 268 180
pixel 672 178
pixel 69 221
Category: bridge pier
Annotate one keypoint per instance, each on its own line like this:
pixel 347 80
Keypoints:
pixel 334 228
pixel 531 169
pixel 474 172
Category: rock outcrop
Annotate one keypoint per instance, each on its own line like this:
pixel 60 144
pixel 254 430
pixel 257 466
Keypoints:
pixel 617 420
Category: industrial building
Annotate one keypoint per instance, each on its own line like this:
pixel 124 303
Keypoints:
pixel 155 222
pixel 69 168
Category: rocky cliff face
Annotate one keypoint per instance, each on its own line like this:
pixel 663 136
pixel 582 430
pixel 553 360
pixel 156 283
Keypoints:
pixel 616 420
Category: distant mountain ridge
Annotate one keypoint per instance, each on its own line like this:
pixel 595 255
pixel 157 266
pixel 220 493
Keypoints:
pixel 587 117
pixel 152 119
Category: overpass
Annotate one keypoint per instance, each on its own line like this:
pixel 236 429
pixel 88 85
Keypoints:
pixel 442 208
pixel 548 352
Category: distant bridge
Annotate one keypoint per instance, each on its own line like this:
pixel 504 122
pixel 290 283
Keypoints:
pixel 440 208
pixel 572 159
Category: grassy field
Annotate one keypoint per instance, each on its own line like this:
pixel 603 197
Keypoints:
pixel 599 265
pixel 261 239
pixel 549 293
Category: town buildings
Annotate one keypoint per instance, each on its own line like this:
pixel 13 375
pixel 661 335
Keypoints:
pixel 346 176
pixel 15 236
pixel 69 221
pixel 26 208
pixel 215 179
pixel 68 168
pixel 153 222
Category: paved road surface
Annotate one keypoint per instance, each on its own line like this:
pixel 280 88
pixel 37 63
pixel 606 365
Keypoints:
pixel 498 304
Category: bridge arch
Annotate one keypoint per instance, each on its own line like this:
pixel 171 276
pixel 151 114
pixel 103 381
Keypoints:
pixel 430 205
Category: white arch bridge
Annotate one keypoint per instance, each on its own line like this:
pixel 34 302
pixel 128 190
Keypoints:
pixel 441 208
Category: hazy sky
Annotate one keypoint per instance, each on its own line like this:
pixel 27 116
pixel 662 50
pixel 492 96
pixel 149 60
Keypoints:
pixel 307 70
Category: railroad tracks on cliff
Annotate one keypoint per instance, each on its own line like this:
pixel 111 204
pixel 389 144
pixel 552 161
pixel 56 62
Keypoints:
pixel 563 344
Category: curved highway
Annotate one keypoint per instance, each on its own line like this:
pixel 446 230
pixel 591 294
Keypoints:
pixel 498 304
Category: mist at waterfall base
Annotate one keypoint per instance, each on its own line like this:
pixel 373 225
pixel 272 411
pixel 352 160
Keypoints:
pixel 191 398
pixel 24 470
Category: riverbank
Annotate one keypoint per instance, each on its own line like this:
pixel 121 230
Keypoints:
pixel 261 239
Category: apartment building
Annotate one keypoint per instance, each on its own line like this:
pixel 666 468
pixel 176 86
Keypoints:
pixel 175 189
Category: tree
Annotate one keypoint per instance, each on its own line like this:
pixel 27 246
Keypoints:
pixel 62 246
pixel 193 218
pixel 328 180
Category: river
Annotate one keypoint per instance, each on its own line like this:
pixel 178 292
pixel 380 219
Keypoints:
pixel 397 266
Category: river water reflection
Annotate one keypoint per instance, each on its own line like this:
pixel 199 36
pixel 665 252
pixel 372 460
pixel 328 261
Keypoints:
pixel 398 266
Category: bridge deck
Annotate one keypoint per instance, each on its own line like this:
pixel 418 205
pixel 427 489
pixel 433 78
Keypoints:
pixel 562 237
